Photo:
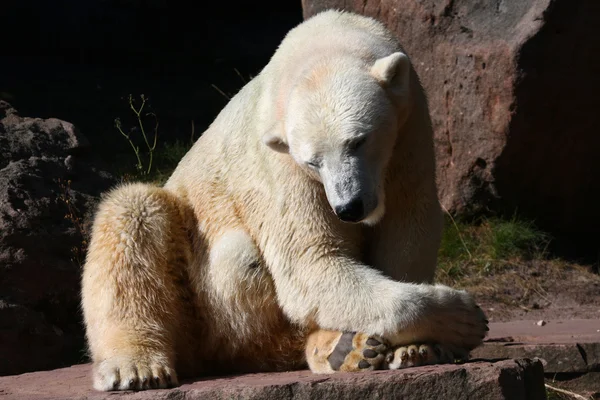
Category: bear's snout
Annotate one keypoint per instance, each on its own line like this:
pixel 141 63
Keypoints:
pixel 354 211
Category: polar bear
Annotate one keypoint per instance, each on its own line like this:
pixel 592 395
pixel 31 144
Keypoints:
pixel 301 229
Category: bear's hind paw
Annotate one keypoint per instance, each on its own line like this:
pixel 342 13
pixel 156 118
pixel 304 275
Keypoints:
pixel 415 355
pixel 331 351
pixel 132 373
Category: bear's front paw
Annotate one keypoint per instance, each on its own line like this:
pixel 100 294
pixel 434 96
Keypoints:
pixel 332 351
pixel 133 373
pixel 458 322
pixel 415 355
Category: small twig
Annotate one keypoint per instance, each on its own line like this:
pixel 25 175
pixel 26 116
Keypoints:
pixel 193 131
pixel 151 149
pixel 136 149
pixel 574 395
pixel 240 75
pixel 459 235
pixel 138 114
pixel 74 216
pixel 220 91
pixel 542 296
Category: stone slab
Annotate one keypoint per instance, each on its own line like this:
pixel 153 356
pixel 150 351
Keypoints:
pixel 565 346
pixel 508 379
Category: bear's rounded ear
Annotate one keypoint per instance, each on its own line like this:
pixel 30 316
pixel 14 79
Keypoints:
pixel 275 142
pixel 393 72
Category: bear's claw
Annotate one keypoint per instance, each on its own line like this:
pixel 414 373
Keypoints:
pixel 129 373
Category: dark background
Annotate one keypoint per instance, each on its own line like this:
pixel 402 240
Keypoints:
pixel 77 60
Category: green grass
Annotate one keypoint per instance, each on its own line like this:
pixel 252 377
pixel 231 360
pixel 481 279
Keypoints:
pixel 166 158
pixel 487 246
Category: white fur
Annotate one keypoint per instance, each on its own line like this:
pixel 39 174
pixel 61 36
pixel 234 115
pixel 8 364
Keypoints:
pixel 313 97
pixel 267 247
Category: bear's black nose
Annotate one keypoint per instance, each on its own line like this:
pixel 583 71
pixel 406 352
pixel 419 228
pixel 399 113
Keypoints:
pixel 351 212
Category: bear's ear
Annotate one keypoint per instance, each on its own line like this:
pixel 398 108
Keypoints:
pixel 275 142
pixel 393 72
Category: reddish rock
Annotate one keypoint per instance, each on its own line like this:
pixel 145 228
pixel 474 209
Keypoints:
pixel 513 88
pixel 511 379
pixel 557 358
pixel 564 346
pixel 554 331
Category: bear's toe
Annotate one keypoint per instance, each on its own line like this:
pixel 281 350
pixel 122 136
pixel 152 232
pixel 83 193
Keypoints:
pixel 133 373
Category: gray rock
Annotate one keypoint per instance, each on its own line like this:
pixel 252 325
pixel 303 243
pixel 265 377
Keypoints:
pixel 48 192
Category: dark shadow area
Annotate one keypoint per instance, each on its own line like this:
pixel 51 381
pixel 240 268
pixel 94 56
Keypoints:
pixel 550 169
pixel 78 60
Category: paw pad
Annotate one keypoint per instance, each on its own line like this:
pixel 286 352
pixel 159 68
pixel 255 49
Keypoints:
pixel 357 351
pixel 370 353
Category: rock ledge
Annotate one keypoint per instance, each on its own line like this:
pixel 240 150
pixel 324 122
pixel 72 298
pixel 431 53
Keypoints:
pixel 508 379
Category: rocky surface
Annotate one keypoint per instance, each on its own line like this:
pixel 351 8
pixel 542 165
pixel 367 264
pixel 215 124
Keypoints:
pixel 586 385
pixel 568 349
pixel 47 194
pixel 513 90
pixel 511 379
pixel 565 346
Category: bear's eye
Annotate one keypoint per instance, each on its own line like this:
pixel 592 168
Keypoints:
pixel 314 164
pixel 357 143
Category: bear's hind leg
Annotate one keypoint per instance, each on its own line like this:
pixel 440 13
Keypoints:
pixel 333 351
pixel 133 288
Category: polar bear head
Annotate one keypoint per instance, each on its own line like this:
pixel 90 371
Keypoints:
pixel 340 124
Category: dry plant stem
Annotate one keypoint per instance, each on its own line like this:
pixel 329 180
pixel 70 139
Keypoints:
pixel 73 215
pixel 151 149
pixel 458 231
pixel 138 114
pixel 240 75
pixel 574 395
pixel 220 91
pixel 136 150
pixel 193 133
